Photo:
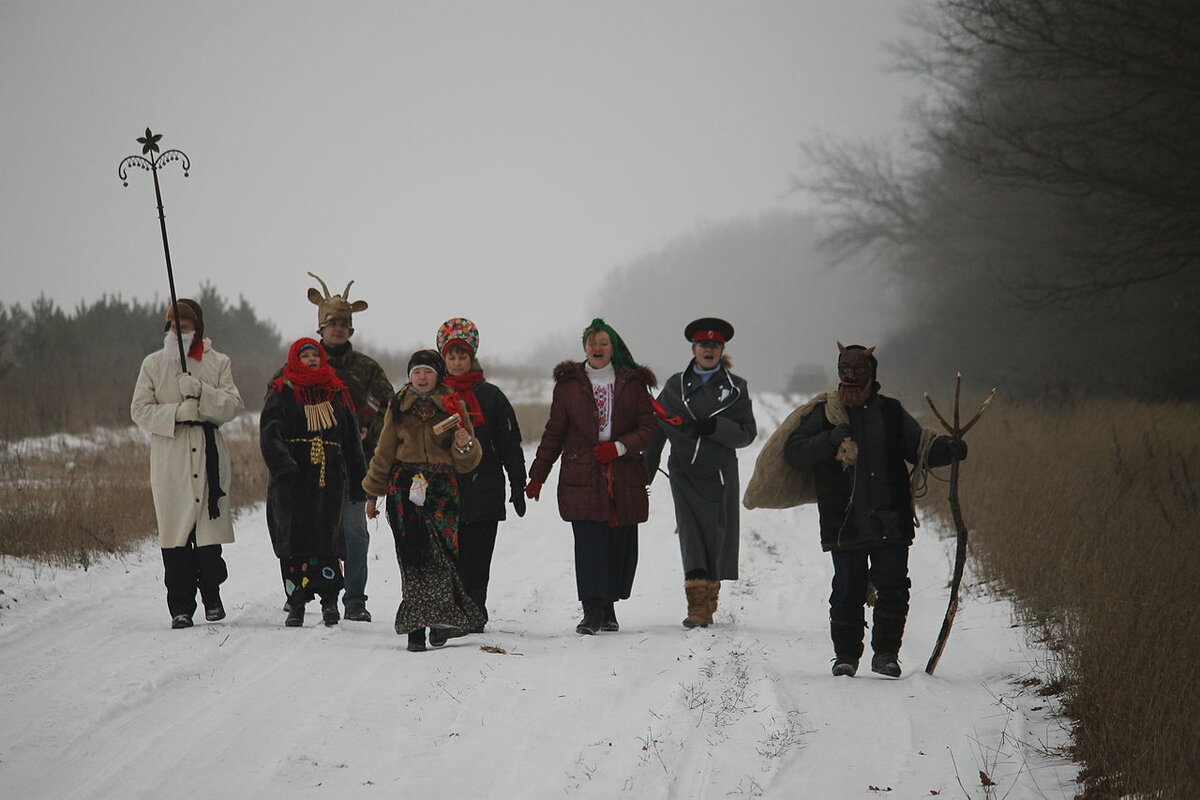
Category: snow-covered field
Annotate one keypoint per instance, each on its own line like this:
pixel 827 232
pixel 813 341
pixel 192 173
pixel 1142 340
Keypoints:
pixel 100 699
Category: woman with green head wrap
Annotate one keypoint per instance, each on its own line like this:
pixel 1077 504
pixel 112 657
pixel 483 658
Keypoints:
pixel 601 419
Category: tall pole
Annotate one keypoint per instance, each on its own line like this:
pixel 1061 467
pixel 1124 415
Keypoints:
pixel 149 144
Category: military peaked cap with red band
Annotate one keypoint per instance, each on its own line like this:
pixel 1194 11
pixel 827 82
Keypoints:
pixel 708 329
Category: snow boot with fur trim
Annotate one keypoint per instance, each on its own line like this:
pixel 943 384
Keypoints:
pixel 714 590
pixel 697 592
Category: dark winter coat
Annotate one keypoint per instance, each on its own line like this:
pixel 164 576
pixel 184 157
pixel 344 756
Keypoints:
pixel 369 388
pixel 869 504
pixel 483 492
pixel 573 430
pixel 303 518
pixel 704 468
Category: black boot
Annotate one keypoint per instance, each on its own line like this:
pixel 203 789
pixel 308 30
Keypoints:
pixel 329 613
pixel 610 619
pixel 593 618
pixel 295 617
pixel 886 636
pixel 416 641
pixel 846 629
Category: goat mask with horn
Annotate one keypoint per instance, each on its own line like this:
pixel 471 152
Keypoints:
pixel 334 306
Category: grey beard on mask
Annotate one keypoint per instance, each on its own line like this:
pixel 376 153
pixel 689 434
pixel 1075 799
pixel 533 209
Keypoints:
pixel 169 346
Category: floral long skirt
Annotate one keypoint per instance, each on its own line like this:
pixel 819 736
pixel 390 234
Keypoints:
pixel 426 538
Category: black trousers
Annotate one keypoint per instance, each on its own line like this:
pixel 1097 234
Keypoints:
pixel 188 568
pixel 476 543
pixel 605 560
pixel 885 568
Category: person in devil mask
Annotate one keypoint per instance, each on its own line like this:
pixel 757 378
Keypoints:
pixel 857 443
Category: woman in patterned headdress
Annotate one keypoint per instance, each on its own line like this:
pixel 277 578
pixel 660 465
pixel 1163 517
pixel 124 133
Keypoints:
pixel 601 419
pixel 309 439
pixel 482 491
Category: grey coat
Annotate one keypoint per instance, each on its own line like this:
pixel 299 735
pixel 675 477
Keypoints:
pixel 703 468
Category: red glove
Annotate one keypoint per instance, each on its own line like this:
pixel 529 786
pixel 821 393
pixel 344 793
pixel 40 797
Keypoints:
pixel 606 452
pixel 533 490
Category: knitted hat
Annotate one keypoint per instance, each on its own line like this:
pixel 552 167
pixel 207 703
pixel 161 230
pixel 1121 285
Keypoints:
pixel 427 358
pixel 708 329
pixel 189 310
pixel 334 306
pixel 458 330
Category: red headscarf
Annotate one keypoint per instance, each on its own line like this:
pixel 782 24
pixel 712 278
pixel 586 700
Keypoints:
pixel 311 385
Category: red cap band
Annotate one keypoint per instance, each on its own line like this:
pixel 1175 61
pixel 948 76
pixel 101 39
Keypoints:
pixel 708 336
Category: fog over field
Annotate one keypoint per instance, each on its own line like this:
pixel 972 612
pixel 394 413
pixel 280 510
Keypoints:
pixel 491 160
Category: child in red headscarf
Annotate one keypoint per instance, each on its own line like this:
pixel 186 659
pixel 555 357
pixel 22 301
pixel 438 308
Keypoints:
pixel 309 439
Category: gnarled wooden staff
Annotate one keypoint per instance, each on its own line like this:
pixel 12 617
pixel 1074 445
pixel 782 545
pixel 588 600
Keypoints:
pixel 960 555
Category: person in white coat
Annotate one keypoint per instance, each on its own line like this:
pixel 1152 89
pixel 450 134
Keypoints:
pixel 190 470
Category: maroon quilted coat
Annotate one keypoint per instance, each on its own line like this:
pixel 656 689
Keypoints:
pixel 574 429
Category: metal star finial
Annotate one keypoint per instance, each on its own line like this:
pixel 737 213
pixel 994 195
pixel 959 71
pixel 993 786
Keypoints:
pixel 149 142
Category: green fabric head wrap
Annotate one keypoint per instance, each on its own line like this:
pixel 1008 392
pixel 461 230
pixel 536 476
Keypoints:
pixel 622 359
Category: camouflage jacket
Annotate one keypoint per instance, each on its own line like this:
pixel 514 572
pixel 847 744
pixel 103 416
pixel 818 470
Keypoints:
pixel 369 387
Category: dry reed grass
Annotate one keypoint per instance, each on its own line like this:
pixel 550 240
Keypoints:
pixel 1087 513
pixel 66 506
pixel 531 417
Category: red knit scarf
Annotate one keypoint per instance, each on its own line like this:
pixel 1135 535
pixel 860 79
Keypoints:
pixel 311 386
pixel 463 386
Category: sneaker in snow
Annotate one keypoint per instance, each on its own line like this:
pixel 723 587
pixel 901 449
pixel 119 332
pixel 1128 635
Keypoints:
pixel 357 612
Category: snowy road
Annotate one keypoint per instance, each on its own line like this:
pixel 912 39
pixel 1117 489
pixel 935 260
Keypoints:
pixel 99 698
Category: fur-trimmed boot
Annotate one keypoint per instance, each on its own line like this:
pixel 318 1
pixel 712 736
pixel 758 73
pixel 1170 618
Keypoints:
pixel 714 589
pixel 846 629
pixel 886 635
pixel 697 591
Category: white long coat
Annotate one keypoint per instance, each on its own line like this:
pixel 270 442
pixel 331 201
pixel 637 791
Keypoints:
pixel 178 479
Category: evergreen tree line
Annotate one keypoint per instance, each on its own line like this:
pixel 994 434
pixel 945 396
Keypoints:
pixel 1043 223
pixel 71 371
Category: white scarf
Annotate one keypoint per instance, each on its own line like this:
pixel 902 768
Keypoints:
pixel 172 349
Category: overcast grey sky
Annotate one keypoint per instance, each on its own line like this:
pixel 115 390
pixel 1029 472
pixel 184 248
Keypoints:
pixel 486 159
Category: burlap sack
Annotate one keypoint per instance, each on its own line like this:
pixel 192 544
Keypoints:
pixel 775 484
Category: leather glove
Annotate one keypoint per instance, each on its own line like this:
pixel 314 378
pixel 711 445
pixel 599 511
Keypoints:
pixel 958 449
pixel 606 452
pixel 188 411
pixel 518 501
pixel 533 490
pixel 706 426
pixel 189 385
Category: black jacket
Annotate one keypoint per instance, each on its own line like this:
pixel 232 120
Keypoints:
pixel 303 517
pixel 869 504
pixel 482 492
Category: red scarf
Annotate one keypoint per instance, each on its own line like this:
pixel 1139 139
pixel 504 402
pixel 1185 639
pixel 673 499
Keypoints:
pixel 311 386
pixel 463 386
pixel 196 351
